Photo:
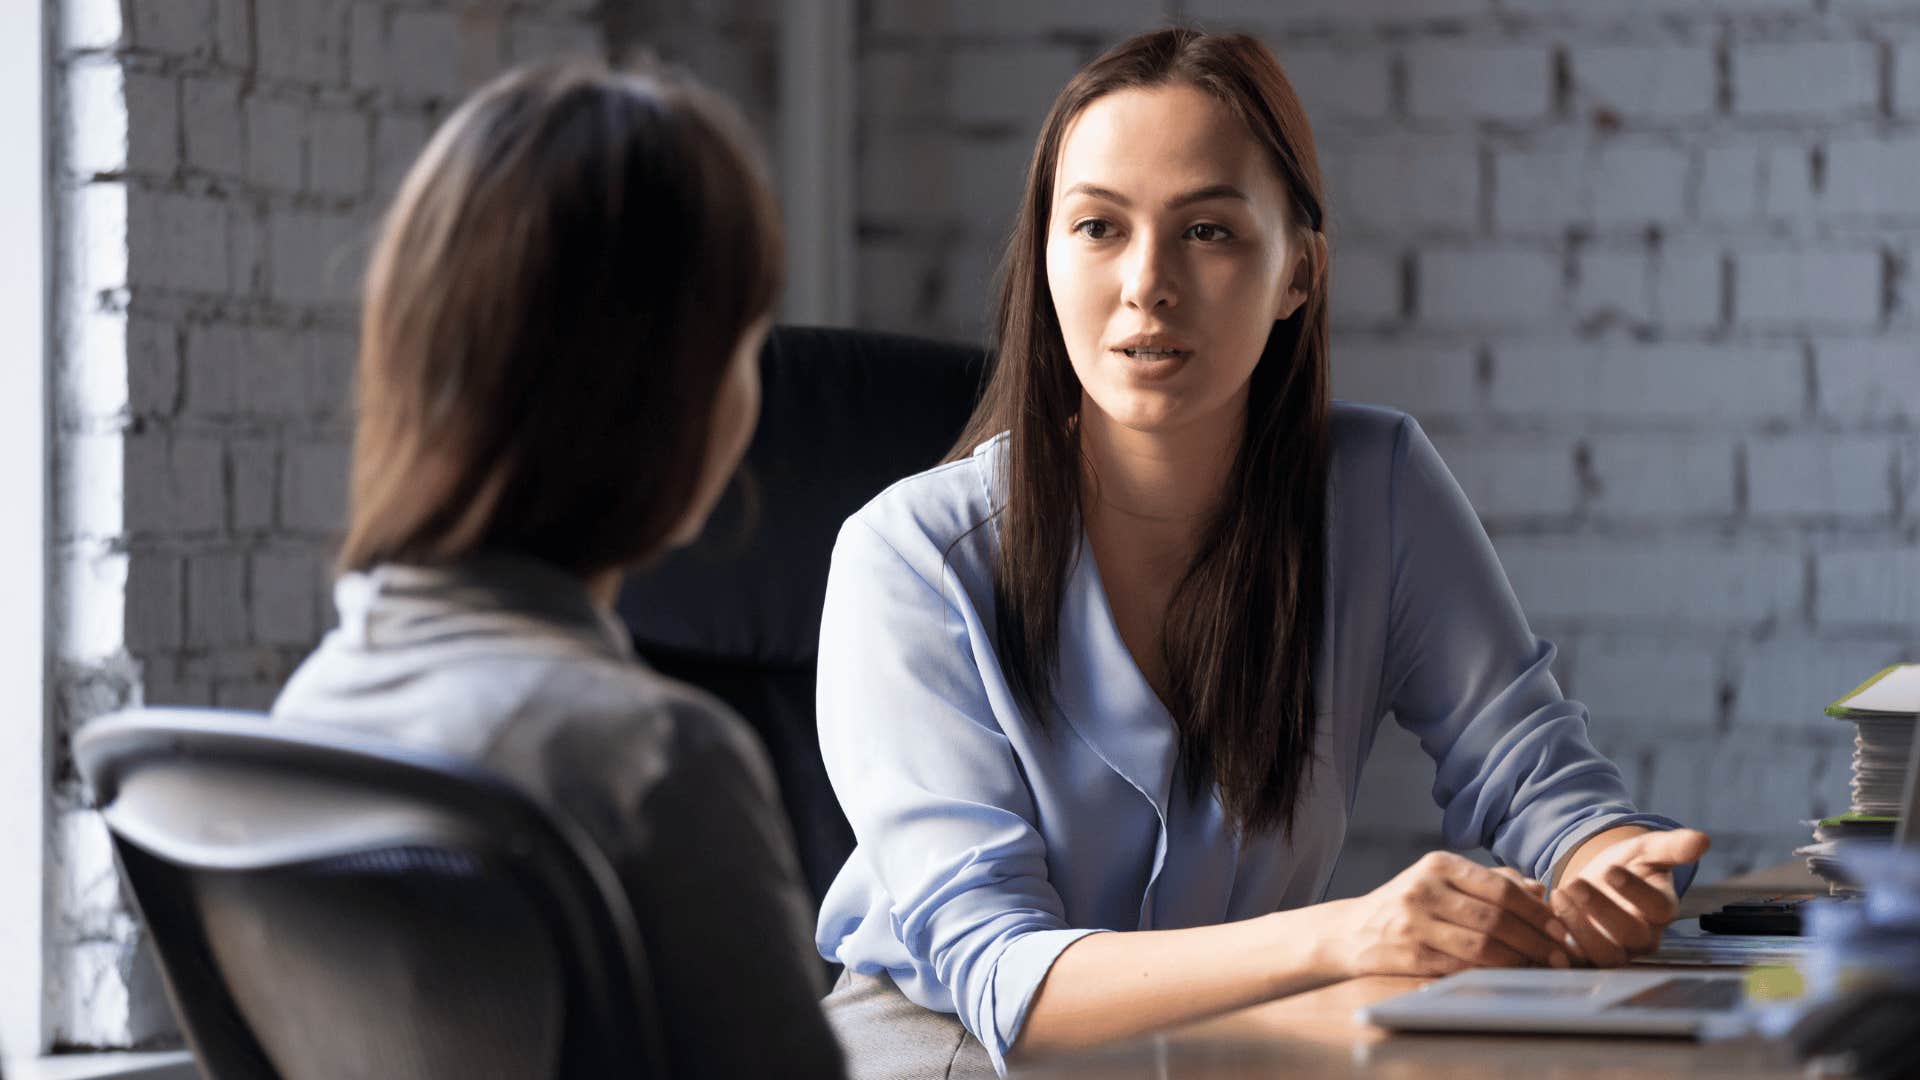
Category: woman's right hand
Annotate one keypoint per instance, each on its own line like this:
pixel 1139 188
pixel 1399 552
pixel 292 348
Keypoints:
pixel 1447 913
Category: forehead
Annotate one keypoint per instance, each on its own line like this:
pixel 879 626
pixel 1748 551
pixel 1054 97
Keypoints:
pixel 1162 139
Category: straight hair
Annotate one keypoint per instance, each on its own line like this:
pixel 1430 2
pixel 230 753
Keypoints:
pixel 550 309
pixel 1243 627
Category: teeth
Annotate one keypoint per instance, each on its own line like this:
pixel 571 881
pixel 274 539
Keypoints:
pixel 1151 354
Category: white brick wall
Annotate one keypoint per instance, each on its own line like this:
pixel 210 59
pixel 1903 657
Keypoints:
pixel 219 166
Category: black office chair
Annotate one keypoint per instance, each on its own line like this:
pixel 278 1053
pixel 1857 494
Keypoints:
pixel 327 906
pixel 845 413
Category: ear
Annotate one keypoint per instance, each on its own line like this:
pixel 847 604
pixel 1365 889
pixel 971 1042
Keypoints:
pixel 1304 276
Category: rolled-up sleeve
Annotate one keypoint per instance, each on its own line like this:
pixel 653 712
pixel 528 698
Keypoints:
pixel 932 786
pixel 1516 772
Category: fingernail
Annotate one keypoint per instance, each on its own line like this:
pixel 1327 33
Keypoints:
pixel 1572 945
pixel 1559 959
pixel 1558 929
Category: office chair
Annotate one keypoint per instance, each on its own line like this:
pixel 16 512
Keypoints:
pixel 327 906
pixel 844 414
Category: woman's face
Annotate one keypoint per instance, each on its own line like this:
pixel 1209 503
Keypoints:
pixel 1169 256
pixel 736 409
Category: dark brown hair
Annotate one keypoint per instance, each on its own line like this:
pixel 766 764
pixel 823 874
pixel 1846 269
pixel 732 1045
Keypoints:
pixel 550 310
pixel 1244 624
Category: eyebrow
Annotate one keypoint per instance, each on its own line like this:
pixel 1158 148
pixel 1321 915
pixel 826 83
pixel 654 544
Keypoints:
pixel 1185 198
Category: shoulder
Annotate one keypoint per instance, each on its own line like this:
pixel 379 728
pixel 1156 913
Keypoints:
pixel 935 521
pixel 1368 438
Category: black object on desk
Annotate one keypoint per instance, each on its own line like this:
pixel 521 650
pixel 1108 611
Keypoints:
pixel 1759 915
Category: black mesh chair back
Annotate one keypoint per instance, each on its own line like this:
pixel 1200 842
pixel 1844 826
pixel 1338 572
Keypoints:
pixel 324 905
pixel 844 414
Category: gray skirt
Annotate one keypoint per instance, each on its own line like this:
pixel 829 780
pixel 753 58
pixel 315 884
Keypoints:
pixel 886 1036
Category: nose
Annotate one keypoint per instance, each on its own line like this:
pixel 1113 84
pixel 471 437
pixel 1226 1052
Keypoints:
pixel 1149 279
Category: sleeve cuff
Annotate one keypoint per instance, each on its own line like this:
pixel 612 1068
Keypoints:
pixel 1017 976
pixel 1580 834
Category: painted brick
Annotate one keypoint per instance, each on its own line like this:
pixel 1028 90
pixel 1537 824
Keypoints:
pixel 898 286
pixel 177 241
pixel 1396 786
pixel 1662 82
pixel 367 46
pixel 1487 287
pixel 1008 86
pixel 904 175
pixel 156 599
pixel 304 40
pixel 281 600
pixel 1868 381
pixel 964 303
pixel 152 125
pixel 1503 82
pixel 1023 18
pixel 233 32
pixel 1813 78
pixel 1388 185
pixel 1670 585
pixel 313 487
pixel 92 382
pixel 987 178
pixel 88 485
pixel 1787 685
pixel 1612 286
pixel 1424 380
pixel 1340 84
pixel 398 138
pixel 247 247
pixel 96 93
pixel 94 225
pixel 1684 383
pixel 214 355
pixel 1906 78
pixel 897 83
pixel 174 484
pixel 1868 586
pixel 338 151
pixel 153 367
pixel 1788 186
pixel 272 379
pixel 1631 185
pixel 315 256
pixel 214 133
pixel 1365 286
pixel 417 60
pixel 1505 478
pixel 1539 189
pixel 1819 287
pixel 246 695
pixel 1873 177
pixel 88 25
pixel 330 357
pixel 1661 476
pixel 1729 183
pixel 1757 790
pixel 216 600
pixel 276 143
pixel 1650 680
pixel 171 27
pixel 253 467
pixel 1821 475
pixel 1688 288
pixel 531 38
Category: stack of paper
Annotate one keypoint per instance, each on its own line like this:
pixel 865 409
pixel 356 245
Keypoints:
pixel 1884 711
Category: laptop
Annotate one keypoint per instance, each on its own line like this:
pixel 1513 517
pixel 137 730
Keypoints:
pixel 1622 1001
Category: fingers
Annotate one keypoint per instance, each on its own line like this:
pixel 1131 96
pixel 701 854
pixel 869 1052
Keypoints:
pixel 1472 947
pixel 1609 932
pixel 1656 905
pixel 1506 891
pixel 1524 939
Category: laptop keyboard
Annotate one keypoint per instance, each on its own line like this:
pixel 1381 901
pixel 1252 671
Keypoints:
pixel 1686 992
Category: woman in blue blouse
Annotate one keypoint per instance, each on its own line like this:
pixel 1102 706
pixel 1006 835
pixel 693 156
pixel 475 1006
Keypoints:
pixel 1096 693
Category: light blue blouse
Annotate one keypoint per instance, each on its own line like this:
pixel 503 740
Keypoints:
pixel 987 845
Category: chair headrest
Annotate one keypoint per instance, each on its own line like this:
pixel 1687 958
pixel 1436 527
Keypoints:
pixel 844 413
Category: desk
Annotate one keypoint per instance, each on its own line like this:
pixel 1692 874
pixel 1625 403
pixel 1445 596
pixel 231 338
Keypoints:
pixel 1314 1034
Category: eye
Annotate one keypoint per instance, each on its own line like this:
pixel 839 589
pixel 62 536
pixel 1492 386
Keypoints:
pixel 1094 228
pixel 1208 233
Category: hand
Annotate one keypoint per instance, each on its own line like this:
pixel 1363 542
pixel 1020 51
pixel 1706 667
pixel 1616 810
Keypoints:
pixel 1618 902
pixel 1446 913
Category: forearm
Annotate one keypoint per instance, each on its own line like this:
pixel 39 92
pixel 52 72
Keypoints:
pixel 1111 986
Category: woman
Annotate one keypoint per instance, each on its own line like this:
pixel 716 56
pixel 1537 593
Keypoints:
pixel 1096 693
pixel 558 375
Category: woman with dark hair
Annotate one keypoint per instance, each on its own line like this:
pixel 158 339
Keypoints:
pixel 558 375
pixel 1096 693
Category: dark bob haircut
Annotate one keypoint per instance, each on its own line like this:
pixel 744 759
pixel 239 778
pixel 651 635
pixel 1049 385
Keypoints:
pixel 550 310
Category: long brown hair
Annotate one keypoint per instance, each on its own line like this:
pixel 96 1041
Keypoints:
pixel 1244 625
pixel 550 310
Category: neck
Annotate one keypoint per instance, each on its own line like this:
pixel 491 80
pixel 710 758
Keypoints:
pixel 603 589
pixel 1160 484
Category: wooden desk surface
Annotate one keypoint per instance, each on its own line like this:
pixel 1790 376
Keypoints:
pixel 1314 1034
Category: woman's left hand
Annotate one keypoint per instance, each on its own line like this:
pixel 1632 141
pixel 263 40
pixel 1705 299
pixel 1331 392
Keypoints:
pixel 1618 902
